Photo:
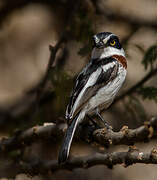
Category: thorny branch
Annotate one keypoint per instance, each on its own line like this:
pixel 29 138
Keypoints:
pixel 26 138
pixel 109 159
pixel 101 136
pixel 127 136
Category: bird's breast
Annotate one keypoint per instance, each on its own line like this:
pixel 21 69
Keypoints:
pixel 107 93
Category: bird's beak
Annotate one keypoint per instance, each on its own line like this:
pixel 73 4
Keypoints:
pixel 97 43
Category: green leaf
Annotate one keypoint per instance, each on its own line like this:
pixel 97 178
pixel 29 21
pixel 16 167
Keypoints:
pixel 150 57
pixel 148 93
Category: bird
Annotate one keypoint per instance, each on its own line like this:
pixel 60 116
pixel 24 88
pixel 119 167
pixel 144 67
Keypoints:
pixel 96 85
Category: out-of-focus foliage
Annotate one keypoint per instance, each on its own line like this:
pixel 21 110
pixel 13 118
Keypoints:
pixel 148 93
pixel 150 57
pixel 135 109
pixel 85 50
pixel 62 83
pixel 83 27
pixel 134 106
pixel 83 30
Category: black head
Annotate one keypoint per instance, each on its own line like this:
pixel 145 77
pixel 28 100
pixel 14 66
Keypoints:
pixel 106 39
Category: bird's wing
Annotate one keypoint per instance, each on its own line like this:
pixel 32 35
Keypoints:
pixel 92 78
pixel 80 82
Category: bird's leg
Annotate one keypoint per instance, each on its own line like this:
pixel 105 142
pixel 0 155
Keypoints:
pixel 102 119
pixel 95 124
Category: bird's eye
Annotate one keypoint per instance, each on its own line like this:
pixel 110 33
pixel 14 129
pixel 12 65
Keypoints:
pixel 113 42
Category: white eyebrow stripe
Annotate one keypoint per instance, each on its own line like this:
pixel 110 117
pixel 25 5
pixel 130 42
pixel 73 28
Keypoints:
pixel 107 38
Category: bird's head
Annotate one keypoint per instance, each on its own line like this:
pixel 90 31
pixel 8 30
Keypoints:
pixel 106 44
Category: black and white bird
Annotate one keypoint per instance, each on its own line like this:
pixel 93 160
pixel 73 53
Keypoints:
pixel 96 85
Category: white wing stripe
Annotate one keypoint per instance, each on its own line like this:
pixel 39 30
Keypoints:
pixel 91 81
pixel 108 66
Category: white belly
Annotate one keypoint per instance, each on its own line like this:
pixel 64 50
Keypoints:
pixel 107 93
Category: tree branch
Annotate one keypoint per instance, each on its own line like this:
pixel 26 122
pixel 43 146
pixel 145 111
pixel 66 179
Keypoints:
pixel 101 136
pixel 114 16
pixel 109 159
pixel 26 138
pixel 53 52
pixel 127 136
pixel 9 6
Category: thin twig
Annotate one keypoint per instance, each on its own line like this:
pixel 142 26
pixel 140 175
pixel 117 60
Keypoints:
pixel 53 52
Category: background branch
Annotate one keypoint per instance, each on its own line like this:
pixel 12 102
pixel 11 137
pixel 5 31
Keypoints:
pixel 26 138
pixel 133 89
pixel 114 16
pixel 109 159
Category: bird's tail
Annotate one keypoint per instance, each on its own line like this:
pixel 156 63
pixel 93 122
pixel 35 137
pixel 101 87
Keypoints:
pixel 65 148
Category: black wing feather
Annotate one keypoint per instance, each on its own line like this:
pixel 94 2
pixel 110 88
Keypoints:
pixel 103 79
pixel 83 77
